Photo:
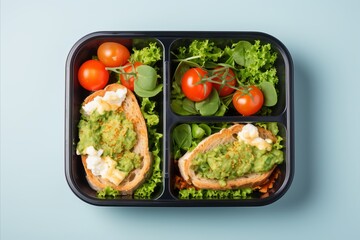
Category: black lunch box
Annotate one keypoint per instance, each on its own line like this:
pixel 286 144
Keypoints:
pixel 166 195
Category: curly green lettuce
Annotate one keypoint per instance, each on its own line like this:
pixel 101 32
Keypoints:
pixel 192 193
pixel 146 190
pixel 148 55
pixel 200 52
pixel 107 192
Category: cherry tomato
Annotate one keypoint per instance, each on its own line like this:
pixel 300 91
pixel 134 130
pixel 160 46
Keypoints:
pixel 248 100
pixel 126 79
pixel 191 86
pixel 92 75
pixel 113 54
pixel 224 76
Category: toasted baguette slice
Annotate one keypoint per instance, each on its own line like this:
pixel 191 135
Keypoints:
pixel 227 135
pixel 133 113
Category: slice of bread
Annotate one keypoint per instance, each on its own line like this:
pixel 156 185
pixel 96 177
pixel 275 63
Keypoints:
pixel 226 135
pixel 133 113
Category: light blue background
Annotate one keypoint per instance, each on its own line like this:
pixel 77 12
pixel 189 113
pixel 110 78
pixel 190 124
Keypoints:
pixel 323 201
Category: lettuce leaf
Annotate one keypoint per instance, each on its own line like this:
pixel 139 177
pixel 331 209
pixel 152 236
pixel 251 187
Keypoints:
pixel 260 67
pixel 192 193
pixel 146 190
pixel 200 52
pixel 149 113
pixel 147 55
pixel 107 192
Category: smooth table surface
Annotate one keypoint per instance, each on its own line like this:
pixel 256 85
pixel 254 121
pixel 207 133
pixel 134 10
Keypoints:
pixel 323 201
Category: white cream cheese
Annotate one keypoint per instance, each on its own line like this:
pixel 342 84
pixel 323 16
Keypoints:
pixel 110 101
pixel 103 167
pixel 249 134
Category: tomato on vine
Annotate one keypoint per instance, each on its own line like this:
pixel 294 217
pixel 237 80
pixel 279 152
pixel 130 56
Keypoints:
pixel 113 54
pixel 128 77
pixel 227 80
pixel 92 75
pixel 248 100
pixel 194 84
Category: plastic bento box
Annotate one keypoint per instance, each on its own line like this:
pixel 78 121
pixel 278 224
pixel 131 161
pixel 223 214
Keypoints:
pixel 176 114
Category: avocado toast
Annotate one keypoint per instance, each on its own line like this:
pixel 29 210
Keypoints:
pixel 236 157
pixel 114 140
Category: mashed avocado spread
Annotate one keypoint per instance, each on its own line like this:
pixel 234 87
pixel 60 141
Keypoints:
pixel 234 160
pixel 112 133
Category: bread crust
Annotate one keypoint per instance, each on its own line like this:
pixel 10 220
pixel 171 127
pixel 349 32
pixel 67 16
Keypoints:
pixel 224 136
pixel 133 113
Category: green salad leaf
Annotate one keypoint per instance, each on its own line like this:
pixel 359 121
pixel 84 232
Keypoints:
pixel 189 106
pixel 270 95
pixel 146 190
pixel 182 136
pixel 197 131
pixel 192 193
pixel 146 83
pixel 261 65
pixel 147 55
pixel 145 87
pixel 147 77
pixel 186 137
pixel 149 113
pixel 200 52
pixel 107 192
pixel 239 54
pixel 210 105
pixel 177 105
